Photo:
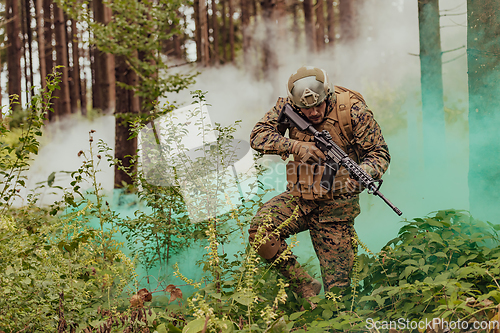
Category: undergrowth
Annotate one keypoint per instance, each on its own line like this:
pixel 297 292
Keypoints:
pixel 62 268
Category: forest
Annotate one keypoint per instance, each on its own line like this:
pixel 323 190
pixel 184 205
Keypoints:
pixel 128 184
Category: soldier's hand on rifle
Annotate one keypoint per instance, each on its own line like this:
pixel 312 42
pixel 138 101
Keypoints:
pixel 307 150
pixel 353 186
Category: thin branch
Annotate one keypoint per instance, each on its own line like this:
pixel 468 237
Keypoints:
pixel 457 14
pixel 458 48
pixel 445 62
pixel 449 10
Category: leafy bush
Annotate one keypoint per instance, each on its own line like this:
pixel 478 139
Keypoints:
pixel 444 266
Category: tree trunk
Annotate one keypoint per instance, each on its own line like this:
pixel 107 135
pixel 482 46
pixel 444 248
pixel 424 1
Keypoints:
pixel 320 25
pixel 24 49
pixel 269 44
pixel 254 8
pixel 224 32
pixel 215 34
pixel 96 95
pixel 231 29
pixel 28 42
pixel 127 106
pixel 432 84
pixel 348 20
pixel 75 70
pixel 309 25
pixel 295 19
pixel 483 50
pixel 85 52
pixel 245 23
pixel 13 49
pixel 62 103
pixel 197 30
pixel 281 19
pixel 41 42
pixel 48 36
pixel 104 64
pixel 205 47
pixel 330 23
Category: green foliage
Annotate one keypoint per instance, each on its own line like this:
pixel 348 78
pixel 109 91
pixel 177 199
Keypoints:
pixel 16 156
pixel 436 266
pixel 62 268
pixel 137 32
pixel 54 268
pixel 443 266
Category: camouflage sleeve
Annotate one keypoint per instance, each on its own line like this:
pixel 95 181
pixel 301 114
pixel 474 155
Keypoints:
pixel 374 153
pixel 265 136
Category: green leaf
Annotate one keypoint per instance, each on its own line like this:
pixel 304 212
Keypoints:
pixel 32 149
pixel 9 270
pixel 161 328
pixel 243 299
pixel 296 315
pixel 172 328
pixel 279 326
pixel 408 270
pixel 194 326
pixel 327 314
pixel 461 260
pixel 51 178
pixel 410 262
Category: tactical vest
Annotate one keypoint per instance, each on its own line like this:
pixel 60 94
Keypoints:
pixel 303 178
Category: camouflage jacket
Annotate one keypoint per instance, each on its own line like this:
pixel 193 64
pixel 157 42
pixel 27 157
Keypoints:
pixel 368 140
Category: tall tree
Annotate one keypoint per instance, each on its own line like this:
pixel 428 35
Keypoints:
pixel 215 33
pixel 431 79
pixel 309 25
pixel 62 104
pixel 136 39
pixel 330 22
pixel 48 38
pixel 197 30
pixel 224 32
pixel 270 61
pixel 75 69
pixel 104 63
pixel 28 49
pixel 281 19
pixel 320 24
pixel 204 43
pixel 13 48
pixel 127 106
pixel 483 60
pixel 231 29
pixel 41 42
pixel 245 26
pixel 349 27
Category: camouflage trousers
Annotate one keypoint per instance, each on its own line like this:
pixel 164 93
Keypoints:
pixel 330 224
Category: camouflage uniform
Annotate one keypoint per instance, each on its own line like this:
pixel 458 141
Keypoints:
pixel 330 222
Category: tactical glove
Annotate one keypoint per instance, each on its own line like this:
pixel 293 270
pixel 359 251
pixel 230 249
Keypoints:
pixel 307 151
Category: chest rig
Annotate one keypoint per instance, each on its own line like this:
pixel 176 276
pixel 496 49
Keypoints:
pixel 304 178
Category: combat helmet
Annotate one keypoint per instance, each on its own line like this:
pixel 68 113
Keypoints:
pixel 308 87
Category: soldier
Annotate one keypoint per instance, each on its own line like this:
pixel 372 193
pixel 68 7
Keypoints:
pixel 329 217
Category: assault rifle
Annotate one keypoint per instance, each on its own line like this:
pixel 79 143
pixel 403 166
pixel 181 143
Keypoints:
pixel 335 156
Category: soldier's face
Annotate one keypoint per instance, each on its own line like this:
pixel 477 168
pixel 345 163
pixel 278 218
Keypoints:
pixel 316 114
